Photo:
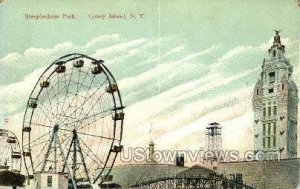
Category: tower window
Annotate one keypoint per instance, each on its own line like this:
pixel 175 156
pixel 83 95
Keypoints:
pixel 271 90
pixel 264 129
pixel 274 128
pixel 269 111
pixel 264 112
pixel 269 142
pixel 269 128
pixel 264 142
pixel 49 181
pixel 257 91
pixel 275 110
pixel 272 77
pixel 274 141
pixel 282 86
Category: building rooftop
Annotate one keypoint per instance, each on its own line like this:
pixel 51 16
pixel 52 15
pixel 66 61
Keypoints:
pixel 132 174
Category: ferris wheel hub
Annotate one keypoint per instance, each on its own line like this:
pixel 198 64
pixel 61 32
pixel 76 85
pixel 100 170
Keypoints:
pixel 56 127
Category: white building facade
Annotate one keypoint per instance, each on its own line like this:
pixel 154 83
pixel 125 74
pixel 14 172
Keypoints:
pixel 275 104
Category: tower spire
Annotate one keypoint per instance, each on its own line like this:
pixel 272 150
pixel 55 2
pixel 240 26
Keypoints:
pixel 277 49
pixel 277 41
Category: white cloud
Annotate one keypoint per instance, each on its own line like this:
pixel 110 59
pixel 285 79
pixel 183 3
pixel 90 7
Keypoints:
pixel 230 54
pixel 118 48
pixel 103 38
pixel 198 54
pixel 162 70
pixel 172 51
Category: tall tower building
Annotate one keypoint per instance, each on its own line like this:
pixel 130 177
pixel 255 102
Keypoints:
pixel 214 140
pixel 275 104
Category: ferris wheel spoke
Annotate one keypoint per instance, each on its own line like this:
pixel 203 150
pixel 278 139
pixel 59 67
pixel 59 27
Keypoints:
pixel 108 111
pixel 57 95
pixel 46 110
pixel 97 158
pixel 37 144
pixel 42 125
pixel 88 100
pixel 92 107
pixel 72 101
pixel 49 97
pixel 84 78
pixel 37 139
pixel 38 165
pixel 65 136
pixel 66 116
pixel 91 165
pixel 66 96
pixel 91 95
pixel 75 96
pixel 93 135
pixel 37 157
pixel 42 107
pixel 41 151
pixel 67 140
pixel 52 95
pixel 88 124
pixel 89 134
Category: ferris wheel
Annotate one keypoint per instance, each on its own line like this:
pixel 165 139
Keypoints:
pixel 74 121
pixel 10 152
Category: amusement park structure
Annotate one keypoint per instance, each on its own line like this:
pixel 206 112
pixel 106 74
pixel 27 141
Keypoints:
pixel 10 160
pixel 10 154
pixel 72 128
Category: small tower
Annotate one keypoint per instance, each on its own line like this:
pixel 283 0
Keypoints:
pixel 151 151
pixel 275 105
pixel 214 139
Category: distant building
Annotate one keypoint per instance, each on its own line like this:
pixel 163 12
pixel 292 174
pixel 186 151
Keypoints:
pixel 275 104
pixel 151 150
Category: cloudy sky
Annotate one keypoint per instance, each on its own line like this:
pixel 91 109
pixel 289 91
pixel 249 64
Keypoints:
pixel 184 65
